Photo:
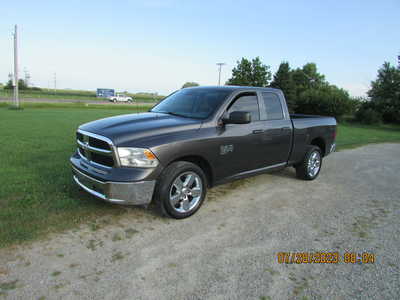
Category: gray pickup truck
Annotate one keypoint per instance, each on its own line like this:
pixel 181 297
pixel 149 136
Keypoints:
pixel 195 139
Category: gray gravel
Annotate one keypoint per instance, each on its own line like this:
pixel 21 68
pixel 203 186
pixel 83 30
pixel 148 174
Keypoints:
pixel 228 249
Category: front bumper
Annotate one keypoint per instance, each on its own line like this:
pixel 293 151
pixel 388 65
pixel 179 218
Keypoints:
pixel 128 193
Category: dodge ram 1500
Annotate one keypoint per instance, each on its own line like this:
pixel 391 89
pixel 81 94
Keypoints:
pixel 193 140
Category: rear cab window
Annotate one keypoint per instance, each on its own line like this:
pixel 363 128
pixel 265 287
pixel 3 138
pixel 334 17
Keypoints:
pixel 272 105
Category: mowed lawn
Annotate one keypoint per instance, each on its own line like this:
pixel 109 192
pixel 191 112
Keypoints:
pixel 354 135
pixel 37 195
pixel 36 191
pixel 50 94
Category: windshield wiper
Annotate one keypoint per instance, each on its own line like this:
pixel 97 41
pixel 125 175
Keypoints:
pixel 172 113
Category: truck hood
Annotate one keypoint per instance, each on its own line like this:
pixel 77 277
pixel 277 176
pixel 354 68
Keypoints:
pixel 126 128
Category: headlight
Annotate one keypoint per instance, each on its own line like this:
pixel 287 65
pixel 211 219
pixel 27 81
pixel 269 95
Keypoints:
pixel 137 157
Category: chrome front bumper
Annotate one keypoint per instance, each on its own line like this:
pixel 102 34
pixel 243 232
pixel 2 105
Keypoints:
pixel 128 193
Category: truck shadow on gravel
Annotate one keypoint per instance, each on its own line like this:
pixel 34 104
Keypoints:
pixel 150 213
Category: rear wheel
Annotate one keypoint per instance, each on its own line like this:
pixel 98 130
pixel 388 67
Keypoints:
pixel 181 190
pixel 310 167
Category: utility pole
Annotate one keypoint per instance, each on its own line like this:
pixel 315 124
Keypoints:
pixel 219 73
pixel 55 82
pixel 16 100
pixel 27 77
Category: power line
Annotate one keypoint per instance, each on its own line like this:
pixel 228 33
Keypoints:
pixel 27 77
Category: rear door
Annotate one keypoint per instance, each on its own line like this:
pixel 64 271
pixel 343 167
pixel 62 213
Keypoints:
pixel 276 138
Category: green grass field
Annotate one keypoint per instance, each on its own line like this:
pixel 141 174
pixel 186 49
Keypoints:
pixel 73 95
pixel 355 135
pixel 37 195
pixel 120 106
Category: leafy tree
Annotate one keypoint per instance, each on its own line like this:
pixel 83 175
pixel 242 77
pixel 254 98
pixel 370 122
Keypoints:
pixel 385 93
pixel 9 85
pixel 190 84
pixel 327 100
pixel 250 73
pixel 307 77
pixel 21 85
pixel 283 79
pixel 387 84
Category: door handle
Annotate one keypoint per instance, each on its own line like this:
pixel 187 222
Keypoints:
pixel 258 131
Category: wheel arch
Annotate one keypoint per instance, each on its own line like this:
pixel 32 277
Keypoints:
pixel 319 142
pixel 200 162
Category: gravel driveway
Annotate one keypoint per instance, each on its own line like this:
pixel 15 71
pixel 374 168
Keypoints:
pixel 228 249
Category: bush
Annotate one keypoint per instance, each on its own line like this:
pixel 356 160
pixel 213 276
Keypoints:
pixel 372 112
pixel 390 110
pixel 368 113
pixel 326 100
pixel 368 116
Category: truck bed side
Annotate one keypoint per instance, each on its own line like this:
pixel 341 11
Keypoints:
pixel 314 130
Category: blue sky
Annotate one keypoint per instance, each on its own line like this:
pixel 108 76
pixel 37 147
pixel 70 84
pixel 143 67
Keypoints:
pixel 156 45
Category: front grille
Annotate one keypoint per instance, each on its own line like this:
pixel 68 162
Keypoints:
pixel 79 136
pixel 82 151
pixel 102 159
pixel 99 143
pixel 95 148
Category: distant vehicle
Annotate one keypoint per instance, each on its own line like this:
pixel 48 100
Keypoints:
pixel 120 98
pixel 194 139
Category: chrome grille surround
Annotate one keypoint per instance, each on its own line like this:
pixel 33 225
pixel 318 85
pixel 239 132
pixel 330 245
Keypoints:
pixel 84 144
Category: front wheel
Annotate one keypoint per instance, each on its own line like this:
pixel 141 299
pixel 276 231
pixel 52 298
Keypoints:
pixel 310 167
pixel 181 190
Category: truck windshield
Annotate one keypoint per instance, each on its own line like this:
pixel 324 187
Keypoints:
pixel 197 103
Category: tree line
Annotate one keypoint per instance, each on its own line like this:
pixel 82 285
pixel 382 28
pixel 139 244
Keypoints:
pixel 21 86
pixel 308 92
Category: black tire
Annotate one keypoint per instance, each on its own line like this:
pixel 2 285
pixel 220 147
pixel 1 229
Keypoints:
pixel 165 187
pixel 302 169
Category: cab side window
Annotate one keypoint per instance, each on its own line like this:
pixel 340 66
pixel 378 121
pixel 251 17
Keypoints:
pixel 272 106
pixel 247 103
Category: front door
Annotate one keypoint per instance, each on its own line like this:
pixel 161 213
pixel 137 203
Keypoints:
pixel 240 144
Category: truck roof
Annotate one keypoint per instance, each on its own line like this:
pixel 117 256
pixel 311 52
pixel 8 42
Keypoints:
pixel 235 88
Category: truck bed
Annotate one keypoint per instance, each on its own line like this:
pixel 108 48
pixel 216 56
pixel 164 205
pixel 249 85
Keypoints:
pixel 306 128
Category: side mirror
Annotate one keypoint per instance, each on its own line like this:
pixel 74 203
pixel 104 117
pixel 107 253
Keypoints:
pixel 237 117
